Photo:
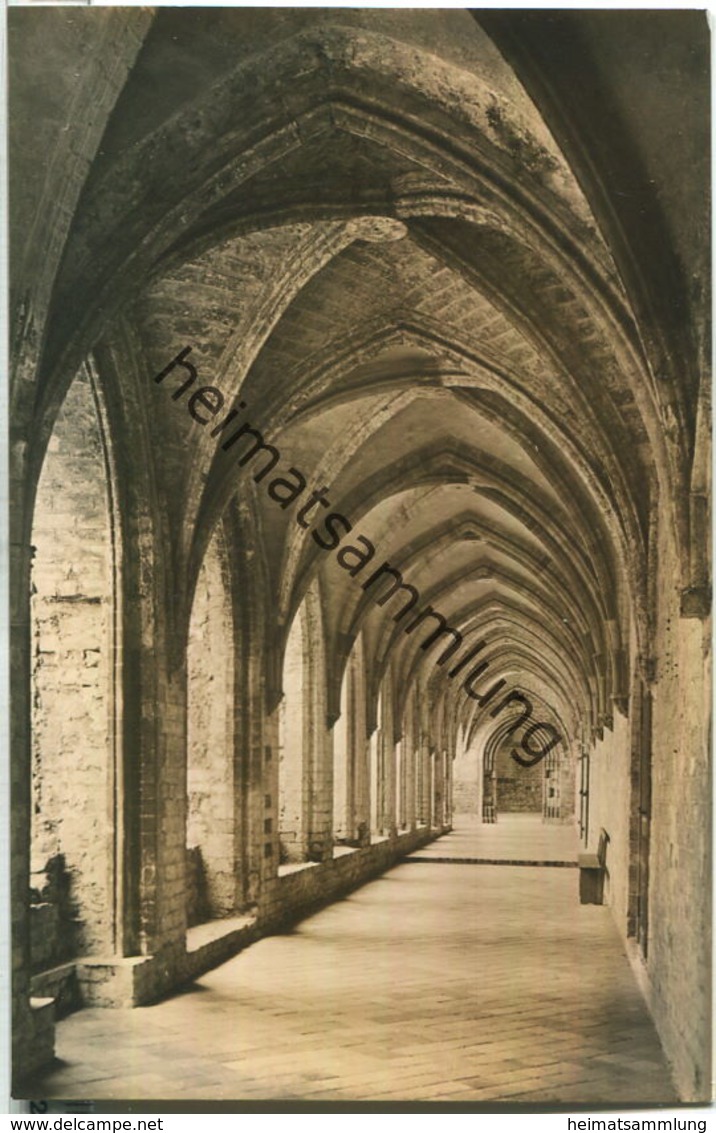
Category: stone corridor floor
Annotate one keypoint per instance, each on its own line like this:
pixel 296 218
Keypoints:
pixel 440 981
pixel 515 837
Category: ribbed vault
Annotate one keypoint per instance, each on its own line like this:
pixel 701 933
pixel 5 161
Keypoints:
pixel 395 277
pixel 361 313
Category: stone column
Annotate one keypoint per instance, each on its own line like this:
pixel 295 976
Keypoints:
pixel 358 753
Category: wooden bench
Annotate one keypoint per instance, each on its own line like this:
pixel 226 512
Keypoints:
pixel 592 872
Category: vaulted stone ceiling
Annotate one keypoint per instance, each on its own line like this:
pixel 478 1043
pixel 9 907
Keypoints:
pixel 381 259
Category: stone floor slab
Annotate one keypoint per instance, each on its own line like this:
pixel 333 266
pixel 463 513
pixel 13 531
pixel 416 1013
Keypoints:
pixel 436 981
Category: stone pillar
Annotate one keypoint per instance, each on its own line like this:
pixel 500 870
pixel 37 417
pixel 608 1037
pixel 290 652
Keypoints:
pixel 400 785
pixel 358 751
pixel 439 787
pixel 426 765
pixel 342 783
pixel 408 766
pixel 317 739
pixel 387 815
pixel 375 785
pixel 449 768
pixel 32 1024
pixel 263 816
pixel 293 716
pixel 255 743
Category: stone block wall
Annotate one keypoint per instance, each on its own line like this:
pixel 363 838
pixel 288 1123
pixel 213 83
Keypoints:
pixel 198 906
pixel 72 746
pixel 210 738
pixel 466 797
pixel 54 920
pixel 340 770
pixel 297 893
pixel 610 764
pixel 667 928
pixel 158 825
pixel 678 961
pixel 519 789
pixel 467 782
pixel 292 746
